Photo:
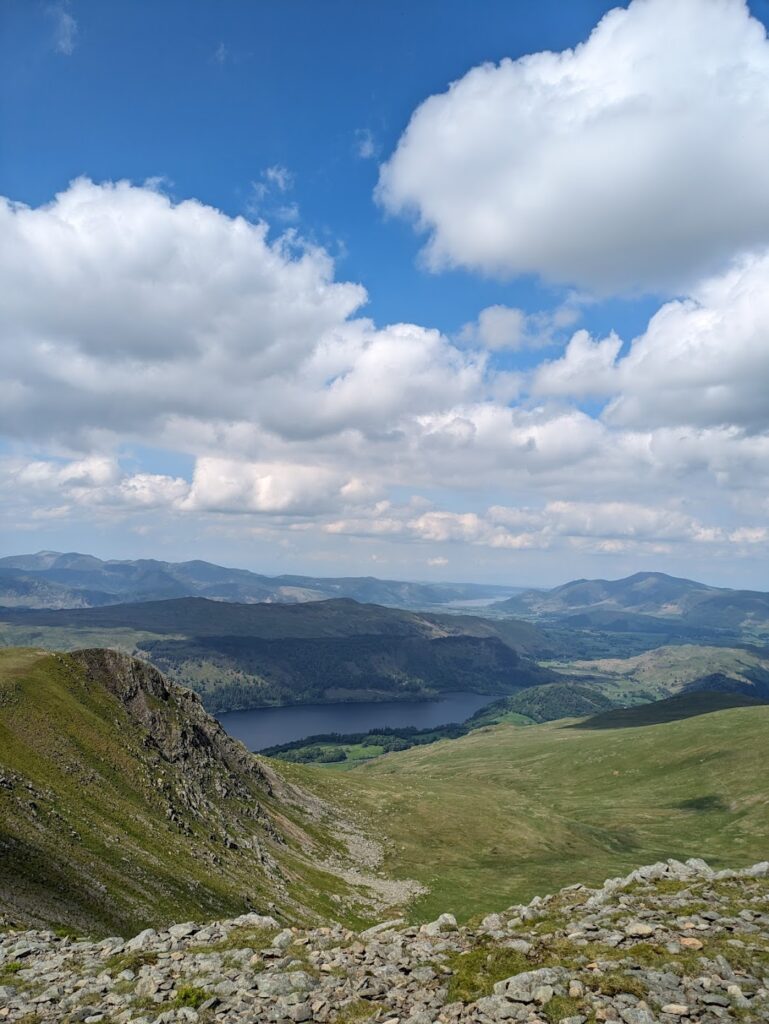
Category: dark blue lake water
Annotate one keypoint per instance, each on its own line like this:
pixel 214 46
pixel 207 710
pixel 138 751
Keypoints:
pixel 266 727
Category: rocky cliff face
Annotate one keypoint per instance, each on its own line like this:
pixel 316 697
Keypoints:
pixel 178 730
pixel 671 943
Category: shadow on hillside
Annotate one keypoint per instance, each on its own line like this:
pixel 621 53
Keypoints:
pixel 687 705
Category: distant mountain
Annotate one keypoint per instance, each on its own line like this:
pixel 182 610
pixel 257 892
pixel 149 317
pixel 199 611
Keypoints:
pixel 252 655
pixel 676 669
pixel 51 579
pixel 645 602
pixel 123 804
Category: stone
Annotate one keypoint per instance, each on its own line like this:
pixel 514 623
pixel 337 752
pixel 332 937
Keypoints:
pixel 638 929
pixel 385 926
pixel 522 988
pixel 444 923
pixel 283 939
pixel 637 1015
pixel 142 940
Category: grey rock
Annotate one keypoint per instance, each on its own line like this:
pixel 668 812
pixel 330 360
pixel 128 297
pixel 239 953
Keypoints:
pixel 444 923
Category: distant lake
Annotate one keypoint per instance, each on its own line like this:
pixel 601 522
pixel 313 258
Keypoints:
pixel 266 727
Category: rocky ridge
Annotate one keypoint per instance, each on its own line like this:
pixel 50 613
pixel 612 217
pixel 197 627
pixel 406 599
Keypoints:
pixel 671 943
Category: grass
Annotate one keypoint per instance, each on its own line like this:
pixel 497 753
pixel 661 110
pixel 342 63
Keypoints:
pixel 506 813
pixel 561 1007
pixel 239 938
pixel 484 821
pixel 9 972
pixel 475 973
pixel 668 669
pixel 358 1012
pixel 619 983
pixel 130 961
pixel 190 995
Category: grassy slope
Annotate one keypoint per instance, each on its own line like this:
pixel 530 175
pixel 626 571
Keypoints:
pixel 506 813
pixel 85 837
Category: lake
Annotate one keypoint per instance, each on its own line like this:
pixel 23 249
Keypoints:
pixel 266 727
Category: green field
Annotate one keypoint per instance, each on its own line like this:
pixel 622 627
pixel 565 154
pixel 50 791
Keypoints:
pixel 506 813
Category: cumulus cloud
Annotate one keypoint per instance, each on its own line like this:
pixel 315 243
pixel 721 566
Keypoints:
pixel 124 312
pixel 635 160
pixel 587 367
pixel 97 481
pixel 703 361
pixel 226 485
pixel 506 327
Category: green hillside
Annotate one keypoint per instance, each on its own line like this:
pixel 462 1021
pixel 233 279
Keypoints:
pixel 543 704
pixel 670 669
pixel 123 805
pixel 505 813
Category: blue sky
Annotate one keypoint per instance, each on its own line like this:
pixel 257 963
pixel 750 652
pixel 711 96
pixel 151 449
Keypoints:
pixel 209 95
pixel 289 113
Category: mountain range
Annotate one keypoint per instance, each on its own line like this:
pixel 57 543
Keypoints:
pixel 252 655
pixel 645 602
pixel 52 579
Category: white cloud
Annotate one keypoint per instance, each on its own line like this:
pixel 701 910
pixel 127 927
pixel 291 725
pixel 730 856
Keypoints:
pixel 65 29
pixel 703 360
pixel 598 526
pixel 497 327
pixel 63 486
pixel 226 485
pixel 121 309
pixel 279 177
pixel 636 160
pixel 586 368
pixel 505 327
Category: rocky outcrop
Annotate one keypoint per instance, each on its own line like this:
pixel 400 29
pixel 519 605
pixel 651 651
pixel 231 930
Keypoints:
pixel 672 943
pixel 182 733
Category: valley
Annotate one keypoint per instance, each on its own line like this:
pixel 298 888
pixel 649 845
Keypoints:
pixel 504 812
pixel 116 782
